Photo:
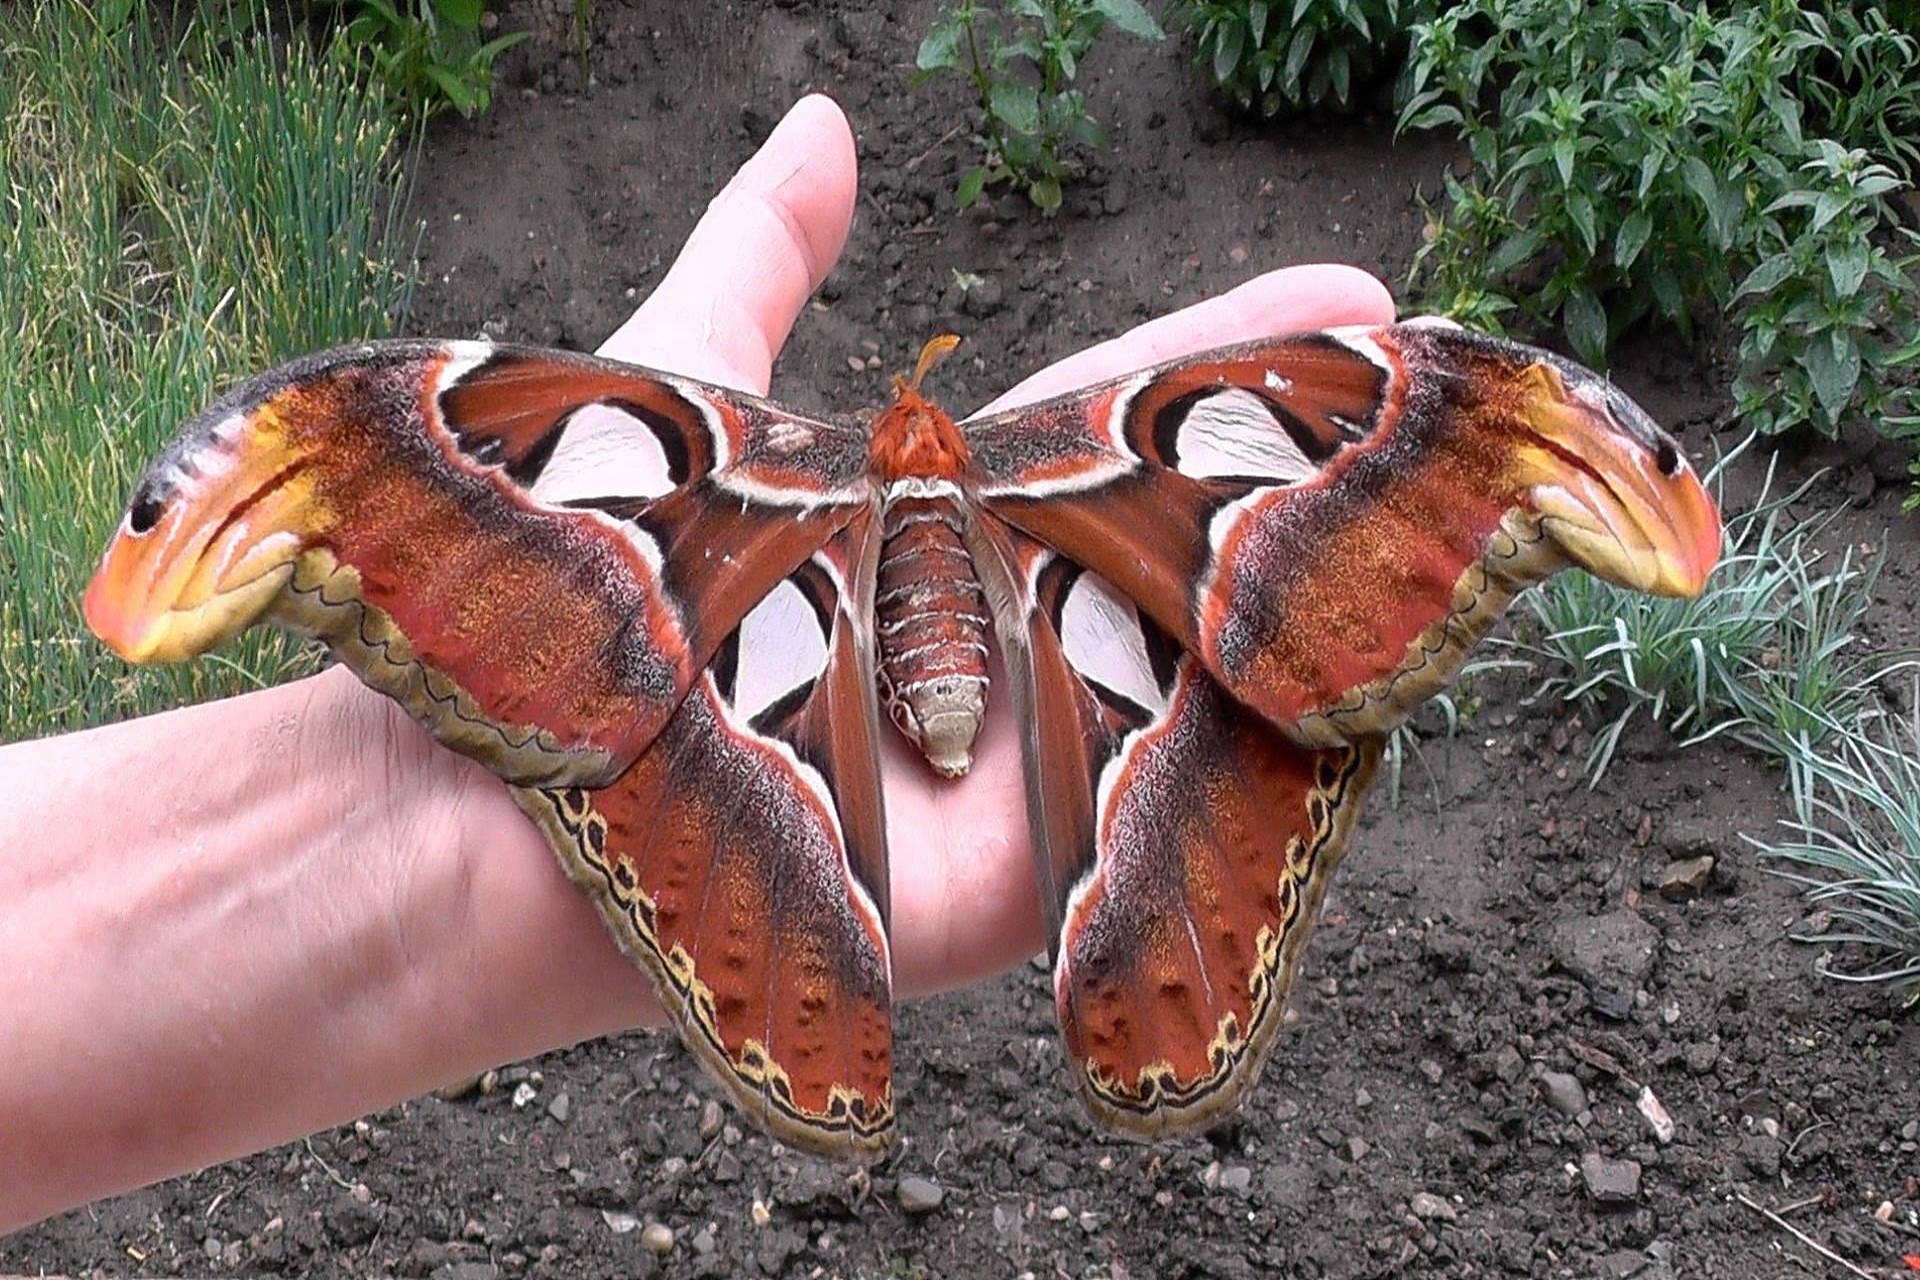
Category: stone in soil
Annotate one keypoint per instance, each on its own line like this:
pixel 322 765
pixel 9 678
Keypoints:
pixel 658 1237
pixel 1686 879
pixel 1564 1093
pixel 1610 1181
pixel 920 1195
pixel 1611 954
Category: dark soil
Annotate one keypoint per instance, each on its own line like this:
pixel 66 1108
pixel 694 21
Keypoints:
pixel 1496 979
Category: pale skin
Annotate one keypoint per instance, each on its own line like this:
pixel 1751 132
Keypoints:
pixel 227 926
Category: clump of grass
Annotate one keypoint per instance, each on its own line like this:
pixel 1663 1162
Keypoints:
pixel 175 216
pixel 1856 846
pixel 1768 654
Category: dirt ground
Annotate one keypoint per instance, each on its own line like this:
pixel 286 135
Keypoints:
pixel 1498 983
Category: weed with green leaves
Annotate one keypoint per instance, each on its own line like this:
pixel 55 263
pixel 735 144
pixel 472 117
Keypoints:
pixel 1769 654
pixel 1022 58
pixel 1272 55
pixel 1855 845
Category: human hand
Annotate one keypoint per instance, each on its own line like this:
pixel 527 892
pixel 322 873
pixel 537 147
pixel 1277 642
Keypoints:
pixel 964 901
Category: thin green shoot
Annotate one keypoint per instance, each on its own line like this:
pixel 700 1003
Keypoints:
pixel 1855 846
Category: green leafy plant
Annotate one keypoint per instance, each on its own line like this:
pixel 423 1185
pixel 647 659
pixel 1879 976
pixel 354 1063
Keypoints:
pixel 1651 159
pixel 1022 59
pixel 430 53
pixel 1769 654
pixel 1269 55
pixel 1831 316
pixel 1862 88
pixel 177 210
pixel 1856 846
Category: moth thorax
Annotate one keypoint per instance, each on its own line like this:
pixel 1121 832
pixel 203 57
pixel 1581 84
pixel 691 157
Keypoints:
pixel 931 616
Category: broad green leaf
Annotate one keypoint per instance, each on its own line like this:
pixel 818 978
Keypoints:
pixel 1580 209
pixel 1586 325
pixel 464 14
pixel 1433 117
pixel 493 48
pixel 1298 52
pixel 1847 265
pixel 1563 157
pixel 1700 181
pixel 1045 194
pixel 1226 54
pixel 1829 205
pixel 1085 130
pixel 1339 71
pixel 1257 13
pixel 1650 166
pixel 1671 297
pixel 940 50
pixel 1766 277
pixel 466 98
pixel 1518 248
pixel 972 183
pixel 1016 104
pixel 1631 238
pixel 1131 17
pixel 1834 369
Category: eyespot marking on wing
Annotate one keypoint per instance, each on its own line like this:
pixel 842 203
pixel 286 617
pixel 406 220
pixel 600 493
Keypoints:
pixel 782 649
pixel 1101 636
pixel 605 449
pixel 1234 433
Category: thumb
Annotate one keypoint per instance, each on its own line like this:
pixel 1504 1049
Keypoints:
pixel 764 245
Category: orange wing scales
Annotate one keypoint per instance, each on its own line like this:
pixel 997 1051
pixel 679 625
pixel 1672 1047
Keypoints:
pixel 721 873
pixel 383 499
pixel 741 862
pixel 1217 839
pixel 1406 484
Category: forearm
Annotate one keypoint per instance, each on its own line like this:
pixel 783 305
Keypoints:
pixel 206 948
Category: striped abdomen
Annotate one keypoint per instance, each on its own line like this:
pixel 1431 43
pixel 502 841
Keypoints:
pixel 932 621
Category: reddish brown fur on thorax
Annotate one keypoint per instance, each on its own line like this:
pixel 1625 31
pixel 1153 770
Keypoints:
pixel 914 436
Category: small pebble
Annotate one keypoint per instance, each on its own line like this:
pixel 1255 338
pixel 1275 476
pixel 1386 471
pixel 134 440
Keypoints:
pixel 919 1195
pixel 1427 1206
pixel 1610 1181
pixel 658 1237
pixel 711 1118
pixel 1563 1092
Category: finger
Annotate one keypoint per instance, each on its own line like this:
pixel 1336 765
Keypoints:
pixel 1290 300
pixel 764 245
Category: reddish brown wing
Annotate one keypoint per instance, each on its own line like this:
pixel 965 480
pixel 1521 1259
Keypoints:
pixel 534 552
pixel 1183 844
pixel 1329 521
pixel 741 862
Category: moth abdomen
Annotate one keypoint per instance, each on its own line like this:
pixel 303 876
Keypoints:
pixel 931 618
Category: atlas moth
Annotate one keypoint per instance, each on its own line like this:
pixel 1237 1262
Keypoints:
pixel 669 616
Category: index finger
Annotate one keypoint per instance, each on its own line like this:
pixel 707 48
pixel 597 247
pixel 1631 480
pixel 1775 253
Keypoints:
pixel 1289 300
